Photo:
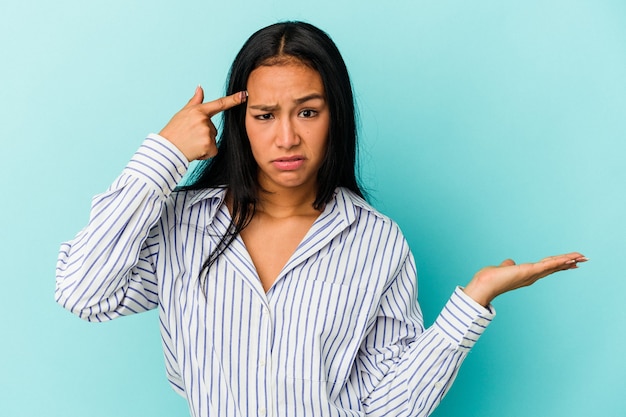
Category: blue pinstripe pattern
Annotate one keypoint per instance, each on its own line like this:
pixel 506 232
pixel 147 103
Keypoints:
pixel 340 333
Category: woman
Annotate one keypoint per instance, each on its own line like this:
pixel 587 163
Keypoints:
pixel 280 290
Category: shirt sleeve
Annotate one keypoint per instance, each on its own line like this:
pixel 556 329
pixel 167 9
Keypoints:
pixel 405 370
pixel 108 269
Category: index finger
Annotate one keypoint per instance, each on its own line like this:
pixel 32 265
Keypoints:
pixel 224 103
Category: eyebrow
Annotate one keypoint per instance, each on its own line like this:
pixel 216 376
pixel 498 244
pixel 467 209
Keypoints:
pixel 269 107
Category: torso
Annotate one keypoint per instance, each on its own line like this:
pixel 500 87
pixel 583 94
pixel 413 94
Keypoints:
pixel 271 242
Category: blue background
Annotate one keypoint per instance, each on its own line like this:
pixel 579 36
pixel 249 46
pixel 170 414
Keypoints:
pixel 490 129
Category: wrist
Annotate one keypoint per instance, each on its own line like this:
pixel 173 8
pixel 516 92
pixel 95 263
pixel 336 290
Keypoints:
pixel 479 292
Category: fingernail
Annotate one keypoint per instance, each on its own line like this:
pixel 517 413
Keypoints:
pixel 571 261
pixel 244 96
pixel 582 259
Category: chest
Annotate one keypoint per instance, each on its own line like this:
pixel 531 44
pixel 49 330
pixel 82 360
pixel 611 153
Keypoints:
pixel 306 327
pixel 270 243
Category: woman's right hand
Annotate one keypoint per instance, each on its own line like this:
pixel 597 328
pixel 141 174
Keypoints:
pixel 191 129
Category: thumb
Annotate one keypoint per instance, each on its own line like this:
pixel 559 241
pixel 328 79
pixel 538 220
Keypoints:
pixel 508 262
pixel 198 97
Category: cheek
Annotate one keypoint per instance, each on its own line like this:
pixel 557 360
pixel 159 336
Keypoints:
pixel 322 135
pixel 257 138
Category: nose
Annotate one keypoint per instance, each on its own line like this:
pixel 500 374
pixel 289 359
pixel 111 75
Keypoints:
pixel 286 135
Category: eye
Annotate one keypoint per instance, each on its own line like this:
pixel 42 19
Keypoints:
pixel 308 113
pixel 265 116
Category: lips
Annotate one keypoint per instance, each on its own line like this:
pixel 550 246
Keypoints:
pixel 288 163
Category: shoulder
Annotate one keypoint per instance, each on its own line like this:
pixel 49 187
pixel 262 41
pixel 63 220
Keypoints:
pixel 367 219
pixel 377 238
pixel 185 202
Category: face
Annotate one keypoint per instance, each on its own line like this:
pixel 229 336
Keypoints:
pixel 287 121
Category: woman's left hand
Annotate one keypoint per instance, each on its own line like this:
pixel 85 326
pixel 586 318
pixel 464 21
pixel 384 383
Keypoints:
pixel 492 281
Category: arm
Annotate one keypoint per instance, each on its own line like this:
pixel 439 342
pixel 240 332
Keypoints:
pixel 108 269
pixel 404 370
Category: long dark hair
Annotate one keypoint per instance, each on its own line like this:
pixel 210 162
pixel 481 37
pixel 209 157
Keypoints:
pixel 234 166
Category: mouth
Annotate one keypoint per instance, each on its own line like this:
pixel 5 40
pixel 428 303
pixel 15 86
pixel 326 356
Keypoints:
pixel 289 158
pixel 288 163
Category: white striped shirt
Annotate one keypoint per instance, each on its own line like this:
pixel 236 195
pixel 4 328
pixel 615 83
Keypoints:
pixel 340 332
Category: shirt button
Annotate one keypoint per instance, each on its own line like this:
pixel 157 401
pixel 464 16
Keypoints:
pixel 438 385
pixel 262 411
pixel 482 322
pixel 261 362
pixel 180 169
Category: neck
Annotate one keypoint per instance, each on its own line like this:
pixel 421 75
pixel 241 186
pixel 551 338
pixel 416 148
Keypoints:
pixel 285 203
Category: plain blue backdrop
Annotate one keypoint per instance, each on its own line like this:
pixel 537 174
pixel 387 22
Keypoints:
pixel 489 129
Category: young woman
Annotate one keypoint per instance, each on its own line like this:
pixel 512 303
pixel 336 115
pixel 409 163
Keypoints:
pixel 280 290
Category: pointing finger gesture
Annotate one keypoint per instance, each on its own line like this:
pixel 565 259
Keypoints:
pixel 191 129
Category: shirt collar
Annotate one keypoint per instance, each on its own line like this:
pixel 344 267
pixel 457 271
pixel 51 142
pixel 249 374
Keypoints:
pixel 345 200
pixel 349 204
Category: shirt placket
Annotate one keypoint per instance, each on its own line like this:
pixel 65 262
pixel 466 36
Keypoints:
pixel 265 364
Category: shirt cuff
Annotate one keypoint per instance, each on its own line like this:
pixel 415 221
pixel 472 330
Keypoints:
pixel 159 163
pixel 463 320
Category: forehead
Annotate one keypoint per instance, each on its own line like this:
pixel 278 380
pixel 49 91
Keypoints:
pixel 292 78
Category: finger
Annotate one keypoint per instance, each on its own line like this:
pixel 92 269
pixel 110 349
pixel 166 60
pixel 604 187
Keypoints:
pixel 198 97
pixel 576 261
pixel 205 157
pixel 213 107
pixel 567 258
pixel 561 263
pixel 507 262
pixel 572 259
